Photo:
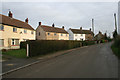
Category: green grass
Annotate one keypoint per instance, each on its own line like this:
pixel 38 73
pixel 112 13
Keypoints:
pixel 20 53
pixel 116 50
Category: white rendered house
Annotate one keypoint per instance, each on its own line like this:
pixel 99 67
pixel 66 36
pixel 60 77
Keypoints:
pixel 79 34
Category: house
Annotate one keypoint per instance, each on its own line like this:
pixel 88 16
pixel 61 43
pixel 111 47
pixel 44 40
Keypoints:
pixel 80 34
pixel 44 32
pixel 99 36
pixel 13 31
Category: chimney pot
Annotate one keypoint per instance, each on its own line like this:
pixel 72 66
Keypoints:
pixel 40 23
pixel 53 25
pixel 63 27
pixel 90 29
pixel 10 14
pixel 80 28
pixel 26 20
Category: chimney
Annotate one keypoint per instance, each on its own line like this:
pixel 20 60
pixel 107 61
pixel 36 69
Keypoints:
pixel 39 23
pixel 63 27
pixel 90 29
pixel 10 14
pixel 53 25
pixel 80 28
pixel 26 20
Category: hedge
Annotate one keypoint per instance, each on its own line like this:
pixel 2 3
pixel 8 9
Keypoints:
pixel 40 47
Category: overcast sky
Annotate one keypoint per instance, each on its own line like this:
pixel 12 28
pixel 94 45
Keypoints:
pixel 69 14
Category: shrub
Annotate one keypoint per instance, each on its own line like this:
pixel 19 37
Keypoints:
pixel 40 47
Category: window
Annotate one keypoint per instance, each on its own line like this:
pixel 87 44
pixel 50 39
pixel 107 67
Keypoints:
pixel 25 31
pixel 14 29
pixel 75 34
pixel 48 33
pixel 1 42
pixel 81 34
pixel 1 27
pixel 39 33
pixel 55 34
pixel 66 34
pixel 61 34
pixel 15 41
pixel 32 32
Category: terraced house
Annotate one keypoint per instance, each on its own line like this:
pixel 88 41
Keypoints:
pixel 44 32
pixel 80 34
pixel 13 31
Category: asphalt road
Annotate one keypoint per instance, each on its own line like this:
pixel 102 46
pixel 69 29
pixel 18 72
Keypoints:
pixel 96 61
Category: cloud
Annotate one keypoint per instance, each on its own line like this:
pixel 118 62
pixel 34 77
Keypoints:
pixel 69 14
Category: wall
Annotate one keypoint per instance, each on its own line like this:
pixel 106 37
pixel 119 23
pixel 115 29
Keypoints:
pixel 89 37
pixel 52 36
pixel 64 36
pixel 42 34
pixel 8 33
pixel 79 37
pixel 71 36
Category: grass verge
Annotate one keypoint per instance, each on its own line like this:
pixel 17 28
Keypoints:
pixel 19 53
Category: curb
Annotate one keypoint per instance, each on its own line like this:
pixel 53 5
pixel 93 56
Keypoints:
pixel 62 53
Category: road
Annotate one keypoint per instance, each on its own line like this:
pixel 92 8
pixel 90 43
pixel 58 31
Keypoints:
pixel 96 61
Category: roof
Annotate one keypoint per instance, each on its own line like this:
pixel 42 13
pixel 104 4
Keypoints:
pixel 14 22
pixel 53 29
pixel 78 31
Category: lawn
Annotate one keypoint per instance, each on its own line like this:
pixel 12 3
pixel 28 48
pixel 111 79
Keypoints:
pixel 19 53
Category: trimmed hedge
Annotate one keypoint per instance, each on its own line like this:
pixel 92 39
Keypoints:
pixel 40 47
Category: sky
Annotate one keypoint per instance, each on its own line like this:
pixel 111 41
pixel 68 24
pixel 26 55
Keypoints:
pixel 68 14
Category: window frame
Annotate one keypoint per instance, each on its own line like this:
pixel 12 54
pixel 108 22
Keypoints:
pixel 1 27
pixel 25 31
pixel 48 33
pixel 14 29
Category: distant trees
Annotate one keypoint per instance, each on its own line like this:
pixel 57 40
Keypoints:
pixel 115 34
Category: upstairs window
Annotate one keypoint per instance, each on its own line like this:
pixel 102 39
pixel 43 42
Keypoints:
pixel 61 34
pixel 1 27
pixel 75 34
pixel 25 31
pixel 66 34
pixel 48 33
pixel 32 32
pixel 55 34
pixel 14 29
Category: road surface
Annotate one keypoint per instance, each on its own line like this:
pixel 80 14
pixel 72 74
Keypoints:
pixel 96 61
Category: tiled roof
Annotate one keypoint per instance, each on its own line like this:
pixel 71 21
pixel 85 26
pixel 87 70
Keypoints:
pixel 78 31
pixel 53 29
pixel 14 22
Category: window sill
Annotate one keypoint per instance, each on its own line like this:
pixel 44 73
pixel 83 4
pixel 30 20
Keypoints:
pixel 14 45
pixel 1 30
pixel 15 32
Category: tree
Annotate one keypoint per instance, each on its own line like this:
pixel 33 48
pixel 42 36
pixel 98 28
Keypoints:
pixel 115 34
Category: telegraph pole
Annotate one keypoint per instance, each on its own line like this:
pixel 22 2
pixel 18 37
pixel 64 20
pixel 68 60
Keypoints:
pixel 93 25
pixel 115 21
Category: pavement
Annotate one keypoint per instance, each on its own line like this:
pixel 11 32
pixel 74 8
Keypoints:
pixel 96 61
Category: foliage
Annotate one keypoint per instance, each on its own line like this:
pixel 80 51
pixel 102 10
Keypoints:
pixel 40 47
pixel 115 34
pixel 116 46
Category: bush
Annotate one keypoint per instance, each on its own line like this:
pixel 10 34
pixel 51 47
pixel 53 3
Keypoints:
pixel 40 47
pixel 116 46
